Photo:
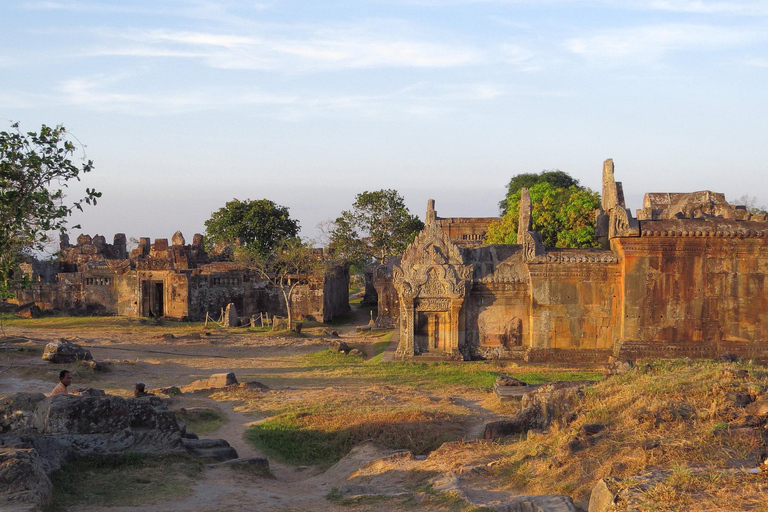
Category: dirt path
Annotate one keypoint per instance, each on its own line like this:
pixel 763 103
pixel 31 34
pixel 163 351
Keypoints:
pixel 269 359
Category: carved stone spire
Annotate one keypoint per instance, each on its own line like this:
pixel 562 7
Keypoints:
pixel 525 221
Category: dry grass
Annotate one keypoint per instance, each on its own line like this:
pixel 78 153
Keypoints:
pixel 670 415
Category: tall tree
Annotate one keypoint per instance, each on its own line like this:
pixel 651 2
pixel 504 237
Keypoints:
pixel 565 217
pixel 35 168
pixel 261 225
pixel 555 177
pixel 291 263
pixel 379 225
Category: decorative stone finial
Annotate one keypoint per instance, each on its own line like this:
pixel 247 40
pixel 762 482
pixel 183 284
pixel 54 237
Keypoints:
pixel 431 214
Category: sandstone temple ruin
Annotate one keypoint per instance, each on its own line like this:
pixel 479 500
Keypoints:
pixel 686 276
pixel 176 281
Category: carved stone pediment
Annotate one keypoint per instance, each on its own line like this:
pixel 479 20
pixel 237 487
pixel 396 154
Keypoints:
pixel 622 224
pixel 432 247
pixel 432 266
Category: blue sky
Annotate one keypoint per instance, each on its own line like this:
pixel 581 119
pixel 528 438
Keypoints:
pixel 184 105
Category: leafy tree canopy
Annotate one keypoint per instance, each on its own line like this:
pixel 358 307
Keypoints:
pixel 556 178
pixel 261 225
pixel 290 263
pixel 565 217
pixel 35 168
pixel 379 225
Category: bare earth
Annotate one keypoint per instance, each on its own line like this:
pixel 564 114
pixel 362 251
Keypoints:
pixel 269 359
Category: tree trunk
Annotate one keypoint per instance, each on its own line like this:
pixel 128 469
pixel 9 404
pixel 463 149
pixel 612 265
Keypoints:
pixel 287 297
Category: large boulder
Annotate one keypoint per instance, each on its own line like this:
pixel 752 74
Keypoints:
pixel 64 351
pixel 68 414
pixel 17 411
pixel 24 484
pixel 556 401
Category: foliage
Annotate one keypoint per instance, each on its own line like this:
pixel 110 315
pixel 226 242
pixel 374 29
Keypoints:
pixel 379 225
pixel 291 263
pixel 261 225
pixel 556 178
pixel 35 168
pixel 565 217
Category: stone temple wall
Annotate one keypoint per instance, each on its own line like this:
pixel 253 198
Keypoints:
pixel 687 279
pixel 174 281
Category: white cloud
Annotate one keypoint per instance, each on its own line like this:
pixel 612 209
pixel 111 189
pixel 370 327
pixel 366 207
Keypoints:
pixel 649 43
pixel 744 8
pixel 296 48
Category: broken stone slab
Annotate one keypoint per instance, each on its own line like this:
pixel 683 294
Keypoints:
pixel 339 346
pixel 506 380
pixel 215 381
pixel 544 503
pixel 230 316
pixel 512 393
pixel 64 351
pixel 555 401
pixel 608 492
pixel 255 463
pixel 28 310
pixel 217 449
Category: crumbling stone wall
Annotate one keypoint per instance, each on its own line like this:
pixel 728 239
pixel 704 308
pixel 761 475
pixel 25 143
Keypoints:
pixel 175 281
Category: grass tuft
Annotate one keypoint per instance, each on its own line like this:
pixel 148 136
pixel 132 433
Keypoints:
pixel 128 480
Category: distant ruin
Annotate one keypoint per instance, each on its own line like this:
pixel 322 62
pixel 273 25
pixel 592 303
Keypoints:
pixel 175 281
pixel 686 277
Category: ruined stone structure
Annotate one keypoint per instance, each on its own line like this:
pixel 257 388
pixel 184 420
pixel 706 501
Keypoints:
pixel 176 281
pixel 686 277
pixel 462 231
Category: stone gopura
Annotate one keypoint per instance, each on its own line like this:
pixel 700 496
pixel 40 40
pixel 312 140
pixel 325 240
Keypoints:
pixel 686 277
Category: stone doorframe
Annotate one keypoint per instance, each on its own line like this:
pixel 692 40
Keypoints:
pixel 432 276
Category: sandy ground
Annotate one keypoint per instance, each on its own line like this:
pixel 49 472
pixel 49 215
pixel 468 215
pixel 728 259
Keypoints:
pixel 268 359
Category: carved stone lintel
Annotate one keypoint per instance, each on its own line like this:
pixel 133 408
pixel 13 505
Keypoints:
pixel 433 304
pixel 622 224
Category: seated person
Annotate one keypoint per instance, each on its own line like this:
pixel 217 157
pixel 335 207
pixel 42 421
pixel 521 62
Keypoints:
pixel 139 392
pixel 65 379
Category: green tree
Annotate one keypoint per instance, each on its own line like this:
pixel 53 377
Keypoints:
pixel 261 225
pixel 556 178
pixel 565 217
pixel 379 225
pixel 35 168
pixel 291 263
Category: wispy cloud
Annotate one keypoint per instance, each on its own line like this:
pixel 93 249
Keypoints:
pixel 734 7
pixel 107 94
pixel 649 43
pixel 306 48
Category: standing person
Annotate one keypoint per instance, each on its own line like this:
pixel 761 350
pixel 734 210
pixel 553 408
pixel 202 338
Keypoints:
pixel 65 379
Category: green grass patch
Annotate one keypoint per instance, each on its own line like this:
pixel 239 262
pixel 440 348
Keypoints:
pixel 480 374
pixel 128 480
pixel 202 421
pixel 323 435
pixel 98 322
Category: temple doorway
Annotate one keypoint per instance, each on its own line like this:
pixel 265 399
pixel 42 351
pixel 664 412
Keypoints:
pixel 152 294
pixel 431 332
